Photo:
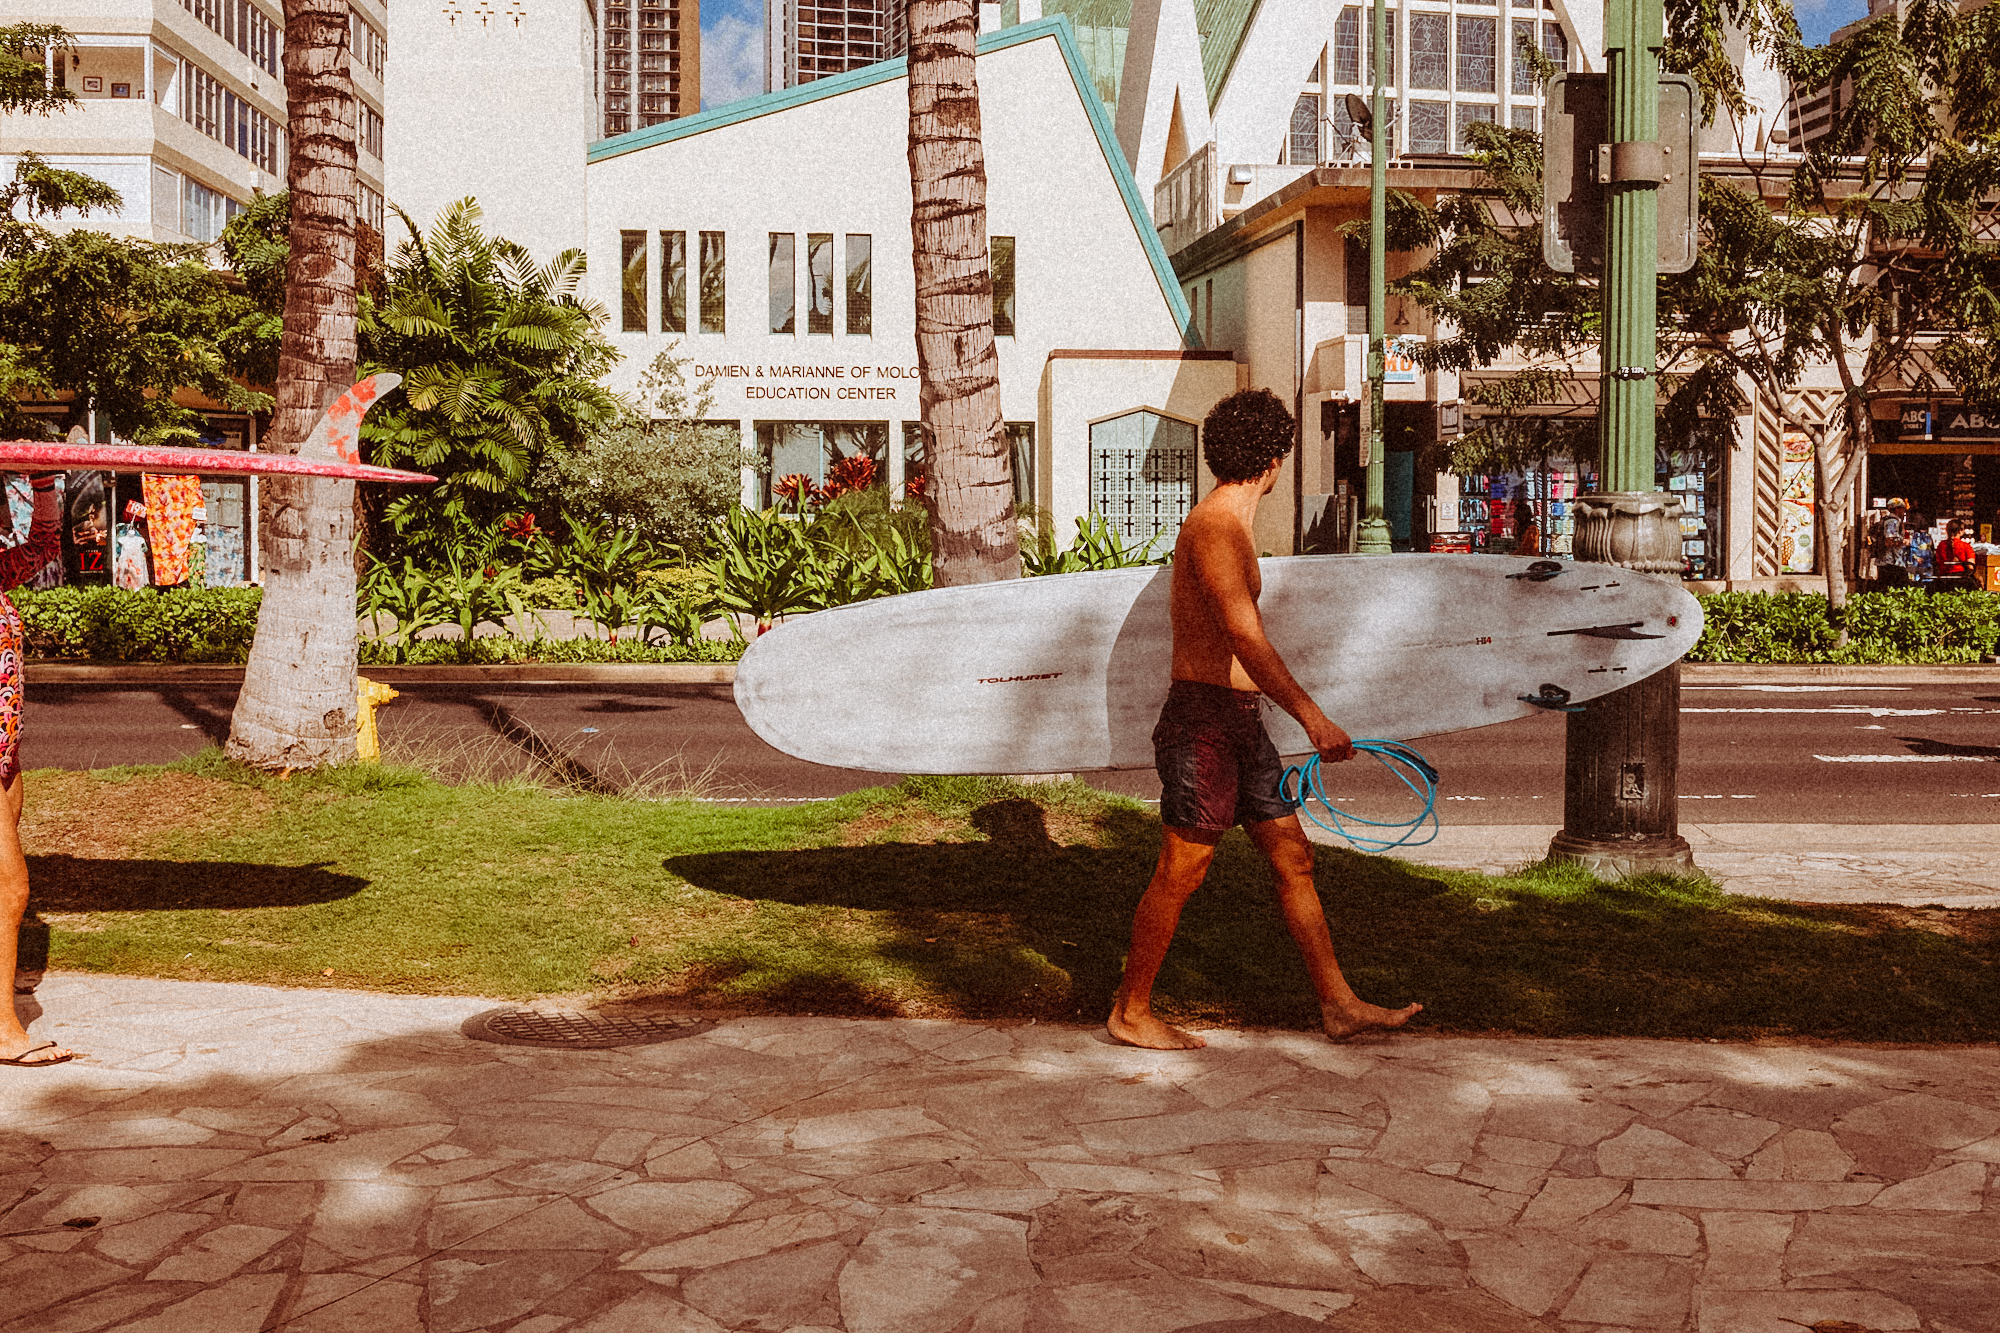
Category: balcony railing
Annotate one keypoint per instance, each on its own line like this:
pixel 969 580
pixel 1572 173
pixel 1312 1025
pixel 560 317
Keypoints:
pixel 1187 201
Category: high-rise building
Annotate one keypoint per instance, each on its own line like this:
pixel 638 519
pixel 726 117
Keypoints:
pixel 181 108
pixel 810 39
pixel 651 62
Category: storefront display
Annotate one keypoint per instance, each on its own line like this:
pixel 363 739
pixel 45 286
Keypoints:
pixel 1528 512
pixel 1687 475
pixel 18 515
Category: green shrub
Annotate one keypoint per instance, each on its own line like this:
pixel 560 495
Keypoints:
pixel 146 625
pixel 500 651
pixel 1907 626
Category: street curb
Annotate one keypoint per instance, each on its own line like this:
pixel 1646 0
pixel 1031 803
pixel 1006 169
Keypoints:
pixel 1773 673
pixel 516 673
pixel 724 673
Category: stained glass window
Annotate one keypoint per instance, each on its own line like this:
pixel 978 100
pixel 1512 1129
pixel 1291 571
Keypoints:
pixel 1347 47
pixel 1302 143
pixel 1524 72
pixel 1430 127
pixel 1471 113
pixel 1368 44
pixel 1477 67
pixel 1430 50
pixel 1555 45
pixel 1524 118
pixel 632 247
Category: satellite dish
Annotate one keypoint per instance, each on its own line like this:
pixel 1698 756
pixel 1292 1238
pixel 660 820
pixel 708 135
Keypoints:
pixel 1360 113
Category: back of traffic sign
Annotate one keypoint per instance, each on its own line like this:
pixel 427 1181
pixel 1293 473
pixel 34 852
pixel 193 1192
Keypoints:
pixel 1578 166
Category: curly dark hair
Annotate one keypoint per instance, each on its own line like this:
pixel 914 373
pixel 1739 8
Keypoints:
pixel 1243 433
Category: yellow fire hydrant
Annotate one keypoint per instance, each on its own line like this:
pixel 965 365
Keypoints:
pixel 367 741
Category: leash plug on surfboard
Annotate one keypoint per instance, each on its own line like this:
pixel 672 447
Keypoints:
pixel 1300 784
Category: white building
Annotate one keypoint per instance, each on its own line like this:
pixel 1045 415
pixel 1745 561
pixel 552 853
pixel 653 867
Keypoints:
pixel 791 284
pixel 181 109
pixel 497 99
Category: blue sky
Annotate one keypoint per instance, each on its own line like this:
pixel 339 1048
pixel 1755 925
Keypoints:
pixel 732 35
pixel 1818 18
pixel 732 50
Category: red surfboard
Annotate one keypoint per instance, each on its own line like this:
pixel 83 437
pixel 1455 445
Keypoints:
pixel 333 450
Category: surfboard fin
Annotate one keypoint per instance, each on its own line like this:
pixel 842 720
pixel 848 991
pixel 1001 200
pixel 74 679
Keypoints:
pixel 1629 630
pixel 1540 572
pixel 337 437
pixel 1552 697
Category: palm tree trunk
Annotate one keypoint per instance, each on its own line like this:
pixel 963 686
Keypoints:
pixel 970 487
pixel 297 708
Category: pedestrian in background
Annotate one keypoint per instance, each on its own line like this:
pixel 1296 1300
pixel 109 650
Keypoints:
pixel 1892 549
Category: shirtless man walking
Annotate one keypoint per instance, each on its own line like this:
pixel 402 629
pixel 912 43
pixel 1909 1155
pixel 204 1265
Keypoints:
pixel 1216 763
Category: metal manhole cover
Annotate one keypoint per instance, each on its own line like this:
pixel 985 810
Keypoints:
pixel 575 1031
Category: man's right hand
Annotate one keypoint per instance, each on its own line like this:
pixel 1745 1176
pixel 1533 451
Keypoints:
pixel 1333 744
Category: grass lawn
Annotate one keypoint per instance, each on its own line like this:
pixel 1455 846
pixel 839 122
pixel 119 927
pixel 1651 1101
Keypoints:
pixel 970 897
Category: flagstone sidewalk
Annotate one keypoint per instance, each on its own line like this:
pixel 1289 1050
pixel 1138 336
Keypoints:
pixel 237 1158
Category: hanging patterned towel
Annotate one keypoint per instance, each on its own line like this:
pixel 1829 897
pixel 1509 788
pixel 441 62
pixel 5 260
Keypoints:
pixel 171 503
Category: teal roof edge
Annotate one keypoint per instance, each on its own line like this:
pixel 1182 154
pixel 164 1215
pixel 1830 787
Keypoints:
pixel 1057 26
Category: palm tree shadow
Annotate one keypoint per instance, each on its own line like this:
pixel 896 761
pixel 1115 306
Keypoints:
pixel 1924 746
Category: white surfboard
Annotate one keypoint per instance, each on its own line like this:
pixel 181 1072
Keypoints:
pixel 1067 672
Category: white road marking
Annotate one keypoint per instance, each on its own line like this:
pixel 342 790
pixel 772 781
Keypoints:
pixel 1848 710
pixel 1733 797
pixel 1800 689
pixel 1904 758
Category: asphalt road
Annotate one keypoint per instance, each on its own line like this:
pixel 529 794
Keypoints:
pixel 1767 754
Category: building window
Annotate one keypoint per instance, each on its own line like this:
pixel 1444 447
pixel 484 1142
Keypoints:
pixel 860 285
pixel 819 282
pixel 1368 44
pixel 1523 81
pixel 1430 50
pixel 1357 285
pixel 368 44
pixel 368 205
pixel 1142 476
pixel 812 449
pixel 1430 127
pixel 1469 114
pixel 205 212
pixel 230 121
pixel 1555 45
pixel 1478 66
pixel 1347 47
pixel 632 264
pixel 1302 141
pixel 673 282
pixel 1021 452
pixel 370 127
pixel 1524 118
pixel 712 264
pixel 244 27
pixel 1001 264
pixel 784 283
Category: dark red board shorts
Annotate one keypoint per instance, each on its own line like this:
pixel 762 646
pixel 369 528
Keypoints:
pixel 1216 762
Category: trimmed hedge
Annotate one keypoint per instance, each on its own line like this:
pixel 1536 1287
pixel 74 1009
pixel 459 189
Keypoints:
pixel 217 624
pixel 146 625
pixel 1906 627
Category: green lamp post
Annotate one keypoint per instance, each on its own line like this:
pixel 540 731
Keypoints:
pixel 1372 536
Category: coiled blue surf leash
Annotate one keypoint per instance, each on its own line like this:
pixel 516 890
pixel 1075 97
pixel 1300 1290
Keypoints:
pixel 1301 783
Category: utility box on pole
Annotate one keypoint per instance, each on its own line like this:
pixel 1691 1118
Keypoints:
pixel 1579 161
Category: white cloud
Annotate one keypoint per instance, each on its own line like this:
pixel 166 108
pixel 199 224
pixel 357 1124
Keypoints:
pixel 732 60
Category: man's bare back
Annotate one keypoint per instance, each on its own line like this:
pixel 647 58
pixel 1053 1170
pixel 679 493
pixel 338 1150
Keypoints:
pixel 1220 645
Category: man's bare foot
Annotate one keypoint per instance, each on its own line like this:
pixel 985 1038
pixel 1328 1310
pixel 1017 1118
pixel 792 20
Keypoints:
pixel 31 1054
pixel 1345 1021
pixel 1149 1032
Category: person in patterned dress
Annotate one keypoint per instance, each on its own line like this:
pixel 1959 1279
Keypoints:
pixel 17 565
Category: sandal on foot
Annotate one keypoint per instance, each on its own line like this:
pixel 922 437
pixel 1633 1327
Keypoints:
pixel 24 1062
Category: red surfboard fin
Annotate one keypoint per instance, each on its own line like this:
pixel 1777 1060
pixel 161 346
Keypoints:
pixel 337 437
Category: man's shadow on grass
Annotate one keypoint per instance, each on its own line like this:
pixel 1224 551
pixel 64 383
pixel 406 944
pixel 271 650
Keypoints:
pixel 1021 926
pixel 64 884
